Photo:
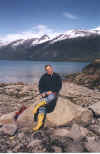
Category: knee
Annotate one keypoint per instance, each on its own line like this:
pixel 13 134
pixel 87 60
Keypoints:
pixel 42 110
pixel 50 98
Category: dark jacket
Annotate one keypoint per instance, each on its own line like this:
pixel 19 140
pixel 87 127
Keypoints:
pixel 50 83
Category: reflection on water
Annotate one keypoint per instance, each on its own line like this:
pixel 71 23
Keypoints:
pixel 30 71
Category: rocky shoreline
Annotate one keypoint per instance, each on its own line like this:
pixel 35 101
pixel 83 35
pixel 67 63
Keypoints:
pixel 73 137
pixel 89 77
pixel 80 133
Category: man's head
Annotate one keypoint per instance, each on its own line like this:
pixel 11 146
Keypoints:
pixel 49 69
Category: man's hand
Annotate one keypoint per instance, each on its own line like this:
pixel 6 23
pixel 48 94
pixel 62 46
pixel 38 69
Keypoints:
pixel 49 92
pixel 43 94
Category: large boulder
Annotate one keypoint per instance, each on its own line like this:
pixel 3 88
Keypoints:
pixel 65 111
pixel 79 95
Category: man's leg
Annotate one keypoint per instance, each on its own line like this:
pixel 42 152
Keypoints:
pixel 50 98
pixel 42 103
pixel 42 110
pixel 41 118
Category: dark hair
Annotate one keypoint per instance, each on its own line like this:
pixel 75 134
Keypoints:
pixel 47 66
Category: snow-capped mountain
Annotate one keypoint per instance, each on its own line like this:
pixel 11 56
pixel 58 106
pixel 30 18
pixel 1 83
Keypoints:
pixel 73 44
pixel 75 34
pixel 27 42
pixel 70 34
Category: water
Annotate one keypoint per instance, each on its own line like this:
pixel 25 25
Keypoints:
pixel 30 71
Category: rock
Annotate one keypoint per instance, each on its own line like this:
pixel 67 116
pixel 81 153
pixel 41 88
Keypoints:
pixel 12 90
pixel 36 146
pixel 61 132
pixel 17 148
pixel 89 77
pixel 9 151
pixel 76 132
pixel 1 90
pixel 86 117
pixel 79 95
pixel 95 129
pixel 21 135
pixel 64 107
pixel 7 118
pixel 18 90
pixel 92 145
pixel 84 131
pixel 57 149
pixel 74 147
pixel 96 108
pixel 26 119
pixel 34 143
pixel 3 84
pixel 9 129
pixel 68 112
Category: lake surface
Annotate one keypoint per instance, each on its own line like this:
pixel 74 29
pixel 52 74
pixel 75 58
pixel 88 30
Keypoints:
pixel 30 71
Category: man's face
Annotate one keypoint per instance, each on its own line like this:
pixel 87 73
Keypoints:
pixel 49 70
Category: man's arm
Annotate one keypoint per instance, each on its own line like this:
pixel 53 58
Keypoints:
pixel 58 84
pixel 41 85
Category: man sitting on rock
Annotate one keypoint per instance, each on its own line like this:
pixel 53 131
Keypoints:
pixel 49 86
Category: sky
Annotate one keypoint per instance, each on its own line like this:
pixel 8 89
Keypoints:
pixel 25 18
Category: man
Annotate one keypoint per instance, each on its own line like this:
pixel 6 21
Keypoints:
pixel 49 86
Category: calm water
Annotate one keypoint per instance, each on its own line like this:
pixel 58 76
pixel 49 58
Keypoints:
pixel 30 71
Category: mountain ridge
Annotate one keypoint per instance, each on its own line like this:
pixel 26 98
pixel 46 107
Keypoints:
pixel 71 45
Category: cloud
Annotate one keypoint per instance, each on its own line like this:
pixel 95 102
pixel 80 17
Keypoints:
pixel 35 32
pixel 97 28
pixel 43 29
pixel 70 16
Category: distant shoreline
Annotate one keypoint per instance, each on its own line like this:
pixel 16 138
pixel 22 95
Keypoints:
pixel 70 60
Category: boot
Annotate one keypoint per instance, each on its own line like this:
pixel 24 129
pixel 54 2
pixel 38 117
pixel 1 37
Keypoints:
pixel 42 103
pixel 40 121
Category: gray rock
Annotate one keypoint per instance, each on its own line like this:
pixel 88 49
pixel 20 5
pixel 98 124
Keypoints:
pixel 68 112
pixel 96 108
pixel 61 132
pixel 9 151
pixel 64 107
pixel 79 94
pixel 86 117
pixel 36 146
pixel 95 129
pixel 75 147
pixel 21 135
pixel 92 145
pixel 56 149
pixel 9 129
pixel 77 132
pixel 7 118
pixel 34 143
pixel 17 148
pixel 84 131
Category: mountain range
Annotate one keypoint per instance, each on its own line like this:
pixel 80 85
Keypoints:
pixel 78 45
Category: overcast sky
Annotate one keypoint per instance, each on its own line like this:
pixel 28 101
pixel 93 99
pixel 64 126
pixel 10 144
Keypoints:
pixel 28 17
